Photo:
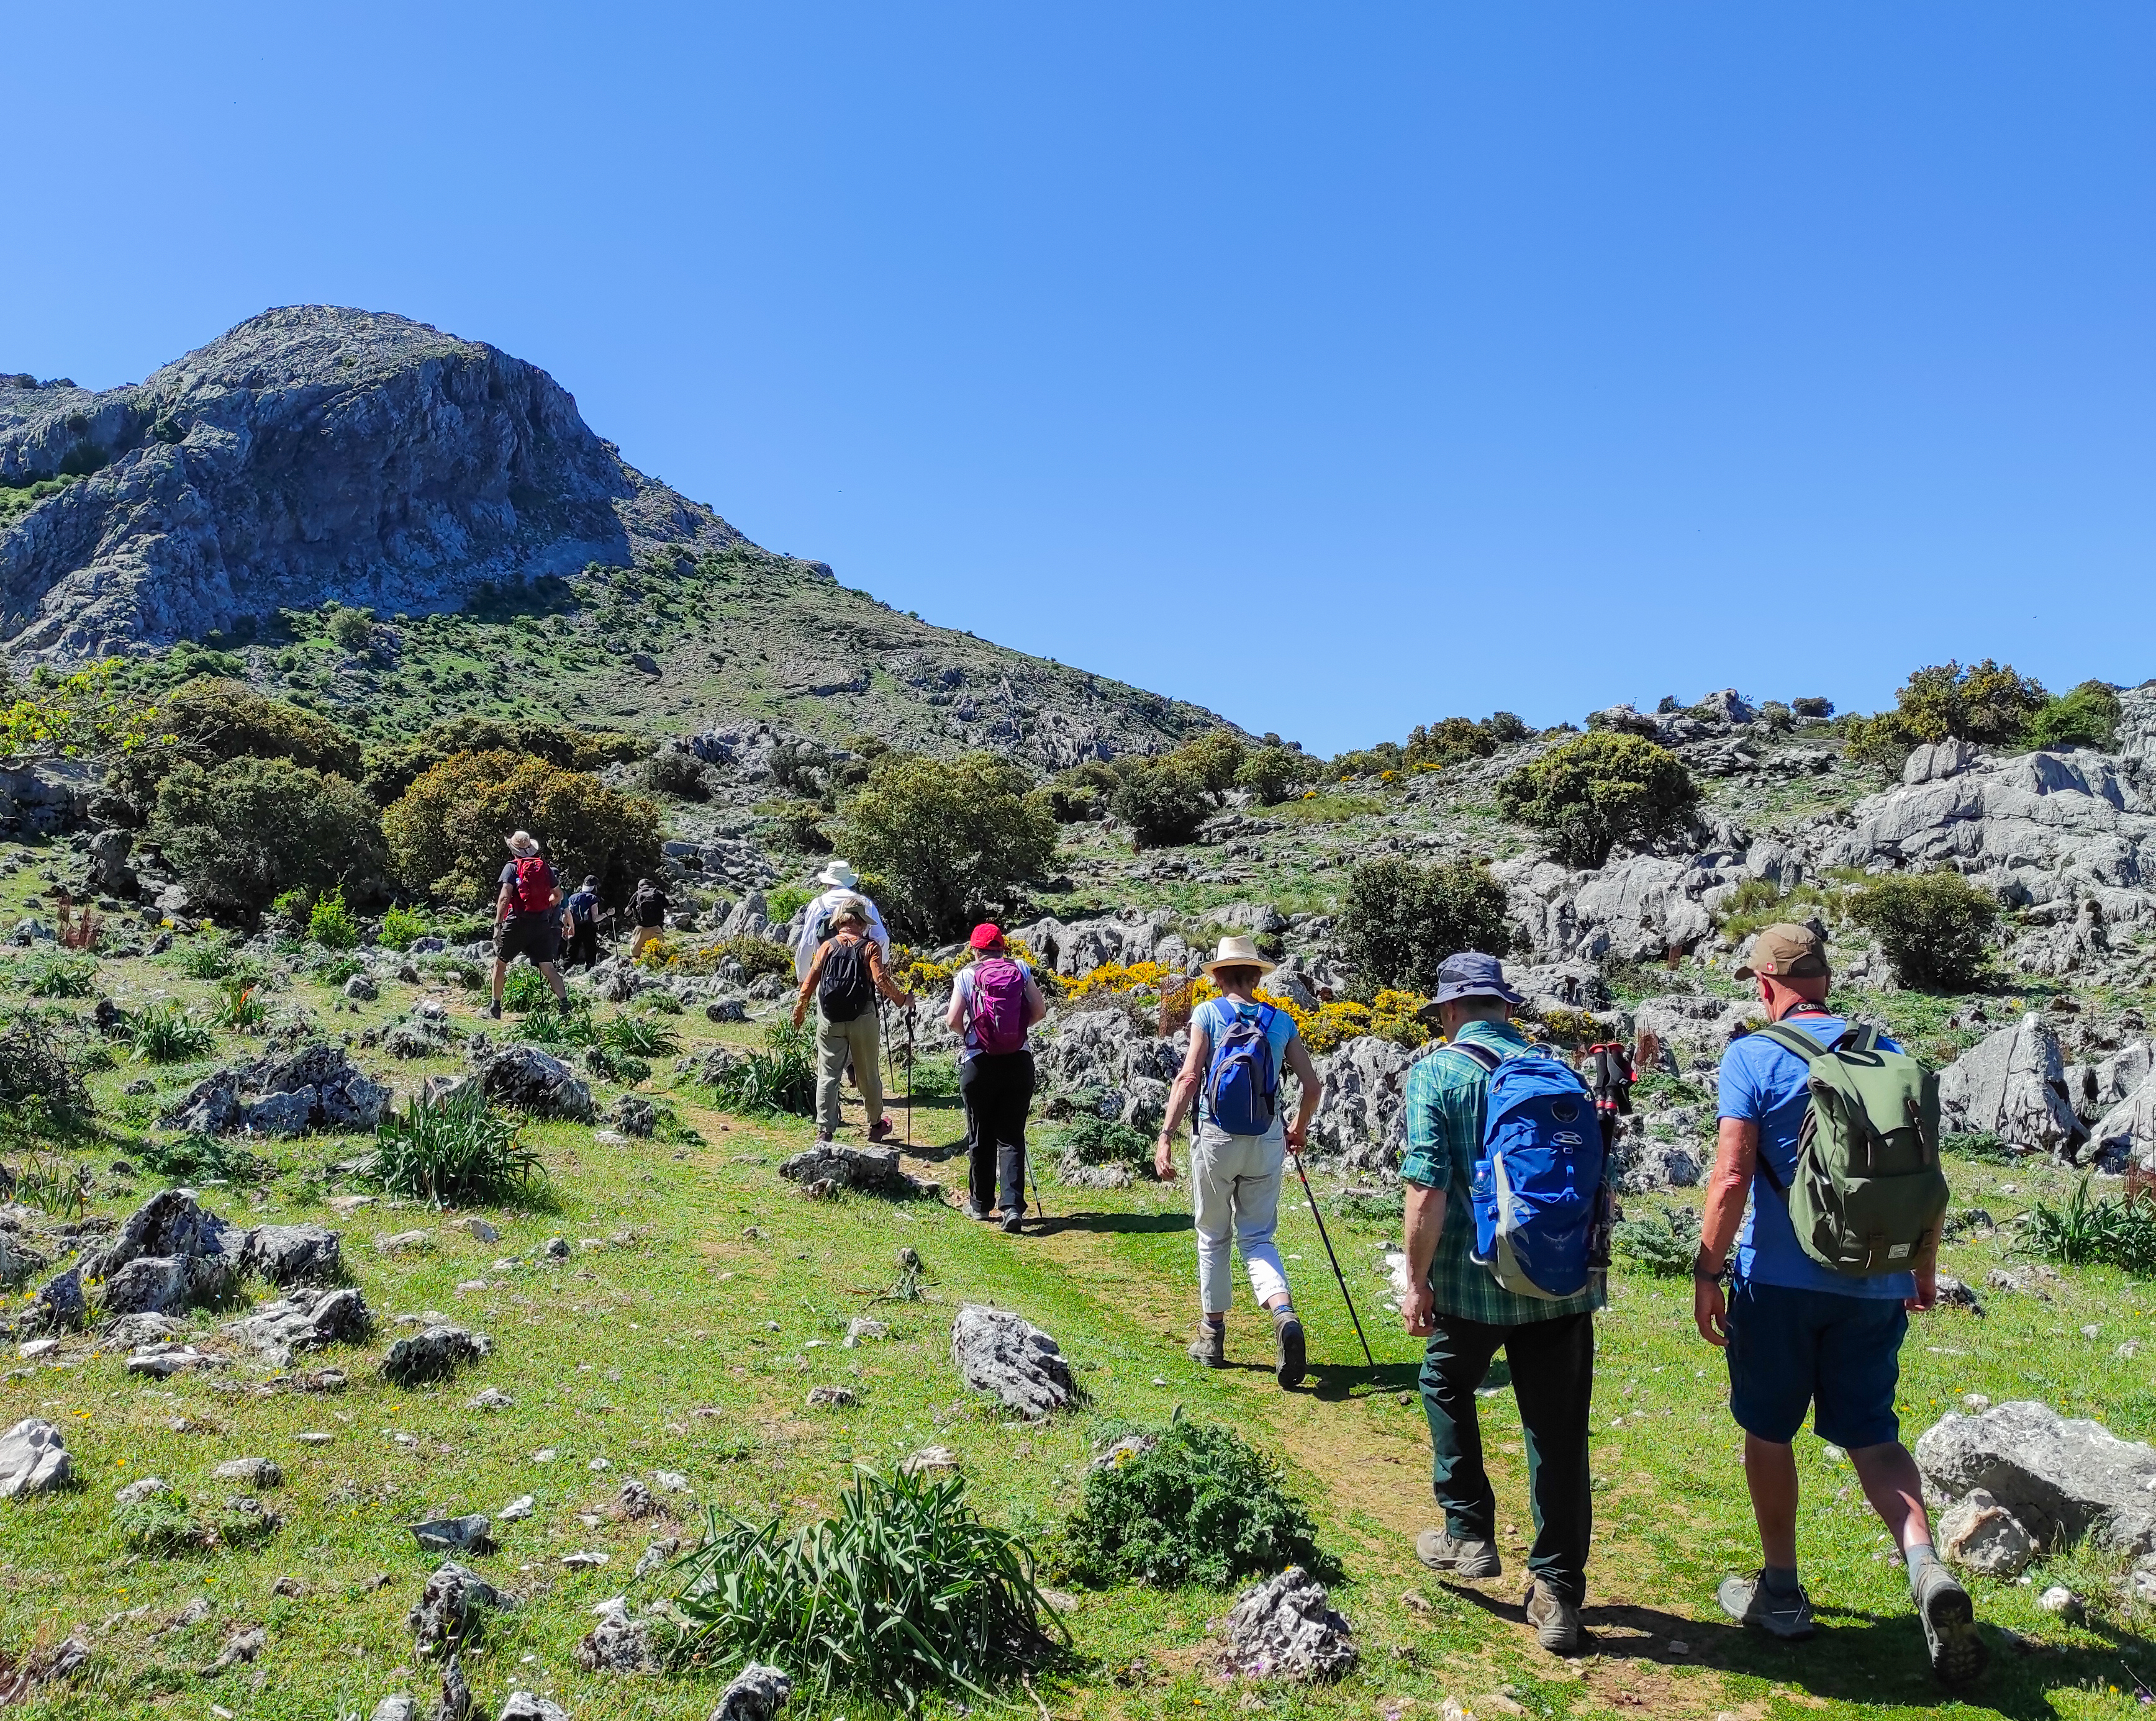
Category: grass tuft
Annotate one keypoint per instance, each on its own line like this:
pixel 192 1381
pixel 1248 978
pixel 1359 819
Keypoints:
pixel 455 1151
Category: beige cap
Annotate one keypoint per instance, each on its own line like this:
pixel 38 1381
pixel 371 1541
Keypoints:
pixel 1785 951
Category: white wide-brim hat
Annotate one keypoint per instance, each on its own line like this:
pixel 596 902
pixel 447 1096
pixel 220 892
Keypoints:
pixel 522 843
pixel 1239 953
pixel 838 876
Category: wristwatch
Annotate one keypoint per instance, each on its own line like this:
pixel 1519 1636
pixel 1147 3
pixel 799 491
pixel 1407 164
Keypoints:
pixel 1705 1272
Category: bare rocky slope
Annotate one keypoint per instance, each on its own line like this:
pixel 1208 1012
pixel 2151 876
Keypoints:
pixel 316 454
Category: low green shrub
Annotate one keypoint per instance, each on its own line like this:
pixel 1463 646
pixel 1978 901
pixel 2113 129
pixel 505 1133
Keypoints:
pixel 781 903
pixel 164 1033
pixel 551 1023
pixel 208 957
pixel 41 1074
pixel 1201 1506
pixel 1987 703
pixel 2087 717
pixel 1663 1242
pixel 1096 1140
pixel 801 825
pixel 676 773
pixel 330 924
pixel 1604 788
pixel 160 1526
pixel 524 987
pixel 239 1008
pixel 401 925
pixel 191 1156
pixel 62 976
pixel 905 1592
pixel 1980 1145
pixel 54 1188
pixel 2112 1231
pixel 780 1077
pixel 757 957
pixel 1934 927
pixel 1162 804
pixel 1400 921
pixel 639 1037
pixel 455 1151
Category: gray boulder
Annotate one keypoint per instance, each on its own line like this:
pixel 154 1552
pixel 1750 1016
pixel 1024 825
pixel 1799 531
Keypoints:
pixel 33 1460
pixel 209 1108
pixel 2129 1127
pixel 473 1534
pixel 634 1115
pixel 536 1082
pixel 1641 1164
pixel 756 1693
pixel 875 1170
pixel 1362 1114
pixel 290 1114
pixel 1979 1534
pixel 1287 1628
pixel 291 1254
pixel 451 1607
pixel 173 1221
pixel 161 1284
pixel 999 1351
pixel 2011 1083
pixel 305 1320
pixel 2061 1477
pixel 528 1706
pixel 617 1644
pixel 432 1353
pixel 132 1332
pixel 59 1307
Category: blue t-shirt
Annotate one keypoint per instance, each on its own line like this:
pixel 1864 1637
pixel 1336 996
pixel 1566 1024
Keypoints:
pixel 1766 1084
pixel 1216 1015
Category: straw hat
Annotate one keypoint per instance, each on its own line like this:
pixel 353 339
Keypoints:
pixel 838 876
pixel 1239 953
pixel 522 843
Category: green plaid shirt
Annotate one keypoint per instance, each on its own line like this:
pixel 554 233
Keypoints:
pixel 1445 1137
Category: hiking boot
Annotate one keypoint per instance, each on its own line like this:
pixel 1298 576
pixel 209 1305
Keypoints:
pixel 495 1010
pixel 879 1130
pixel 974 1210
pixel 1556 1621
pixel 1463 1556
pixel 1957 1653
pixel 1209 1343
pixel 1013 1224
pixel 1750 1601
pixel 1288 1350
pixel 823 1137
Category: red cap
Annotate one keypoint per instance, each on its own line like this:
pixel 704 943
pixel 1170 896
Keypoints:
pixel 985 936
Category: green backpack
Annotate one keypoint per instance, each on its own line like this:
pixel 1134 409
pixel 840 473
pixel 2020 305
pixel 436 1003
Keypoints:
pixel 1868 1194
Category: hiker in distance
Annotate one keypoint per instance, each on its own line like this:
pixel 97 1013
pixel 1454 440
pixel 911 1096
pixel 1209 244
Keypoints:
pixel 648 904
pixel 581 921
pixel 527 916
pixel 995 1000
pixel 839 882
pixel 1238 1149
pixel 843 980
pixel 1842 1244
pixel 1480 1281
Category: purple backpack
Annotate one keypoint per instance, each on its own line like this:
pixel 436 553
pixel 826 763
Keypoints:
pixel 998 1015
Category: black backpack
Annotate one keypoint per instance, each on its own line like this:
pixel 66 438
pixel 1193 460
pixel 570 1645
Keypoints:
pixel 846 987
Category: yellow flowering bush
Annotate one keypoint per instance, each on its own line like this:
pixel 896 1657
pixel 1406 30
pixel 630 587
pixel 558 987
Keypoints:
pixel 1118 977
pixel 918 973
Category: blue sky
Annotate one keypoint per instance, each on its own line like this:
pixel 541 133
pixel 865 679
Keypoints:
pixel 1340 368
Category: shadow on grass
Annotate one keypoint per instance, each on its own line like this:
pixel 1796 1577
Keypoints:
pixel 1126 1224
pixel 1330 1384
pixel 1857 1658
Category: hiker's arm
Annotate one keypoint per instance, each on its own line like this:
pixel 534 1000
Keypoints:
pixel 1424 1224
pixel 1178 1101
pixel 1312 1087
pixel 1736 1157
pixel 897 994
pixel 1927 1270
pixel 808 986
pixel 1036 1003
pixel 954 1018
pixel 501 904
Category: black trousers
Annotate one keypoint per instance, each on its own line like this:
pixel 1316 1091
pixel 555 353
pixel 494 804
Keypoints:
pixel 1552 1367
pixel 998 1089
pixel 583 945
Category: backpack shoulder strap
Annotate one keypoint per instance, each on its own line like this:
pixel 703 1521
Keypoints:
pixel 1480 1054
pixel 1791 1039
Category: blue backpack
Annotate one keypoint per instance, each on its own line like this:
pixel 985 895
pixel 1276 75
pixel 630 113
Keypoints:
pixel 1542 1209
pixel 1242 1087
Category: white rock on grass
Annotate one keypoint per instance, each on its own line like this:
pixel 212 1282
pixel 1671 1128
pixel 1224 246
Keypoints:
pixel 2011 1084
pixel 1287 1628
pixel 756 1693
pixel 527 1706
pixel 1979 1534
pixel 2061 1477
pixel 998 1350
pixel 33 1460
pixel 617 1644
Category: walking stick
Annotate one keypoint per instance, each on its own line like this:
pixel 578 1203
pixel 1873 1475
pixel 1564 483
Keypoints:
pixel 1332 1257
pixel 908 1075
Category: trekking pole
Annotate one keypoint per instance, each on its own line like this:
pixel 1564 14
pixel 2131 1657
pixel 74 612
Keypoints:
pixel 908 1075
pixel 1334 1258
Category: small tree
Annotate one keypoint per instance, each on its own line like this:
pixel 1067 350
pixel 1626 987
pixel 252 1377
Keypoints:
pixel 445 833
pixel 1987 703
pixel 352 629
pixel 1399 920
pixel 209 720
pixel 1273 773
pixel 1600 790
pixel 2087 717
pixel 1214 759
pixel 1162 802
pixel 392 770
pixel 674 773
pixel 942 838
pixel 241 832
pixel 1933 927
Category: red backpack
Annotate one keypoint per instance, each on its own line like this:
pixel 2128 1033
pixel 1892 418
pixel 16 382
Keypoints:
pixel 998 1015
pixel 533 892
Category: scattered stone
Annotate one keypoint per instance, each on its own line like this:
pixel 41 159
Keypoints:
pixel 59 1307
pixel 130 1332
pixel 473 1534
pixel 585 1559
pixel 30 1349
pixel 359 986
pixel 33 1460
pixel 313 1436
pixel 449 1609
pixel 288 1586
pixel 669 1482
pixel 756 1693
pixel 404 1242
pixel 305 1320
pixel 1979 1533
pixel 998 1350
pixel 455 1702
pixel 163 1361
pixel 634 1115
pixel 432 1354
pixel 478 1229
pixel 617 1644
pixel 294 1254
pixel 491 1398
pixel 1955 1294
pixel 141 1489
pixel 556 1248
pixel 1123 1450
pixel 1287 1628
pixel 254 1472
pixel 168 1255
pixel 536 1082
pixel 657 1554
pixel 244 1645
pixel 861 1327
pixel 518 1509
pixel 929 1460
pixel 2011 1084
pixel 832 1397
pixel 873 1170
pixel 526 1706
pixel 635 1500
pixel 398 1707
pixel 2061 1478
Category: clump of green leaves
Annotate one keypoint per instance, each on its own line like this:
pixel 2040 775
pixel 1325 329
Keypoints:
pixel 945 837
pixel 525 988
pixel 41 1074
pixel 54 1188
pixel 905 1592
pixel 331 925
pixel 1987 703
pixel 206 958
pixel 63 976
pixel 1400 921
pixel 1981 1144
pixel 778 1077
pixel 160 1525
pixel 1201 1506
pixel 1934 927
pixel 164 1033
pixel 457 1150
pixel 639 1037
pixel 1590 794
pixel 401 925
pixel 2112 1231
pixel 1663 1242
pixel 781 903
pixel 553 1023
pixel 2087 717
pixel 186 1156
pixel 239 1007
pixel 1096 1140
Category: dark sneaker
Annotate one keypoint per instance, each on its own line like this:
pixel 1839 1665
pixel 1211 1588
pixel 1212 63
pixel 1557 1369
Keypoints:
pixel 1013 1224
pixel 1957 1653
pixel 1749 1600
pixel 1210 1344
pixel 1288 1351
pixel 495 1010
pixel 1463 1556
pixel 1556 1621
pixel 973 1210
pixel 879 1130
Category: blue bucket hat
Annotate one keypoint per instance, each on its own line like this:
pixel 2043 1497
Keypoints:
pixel 1469 974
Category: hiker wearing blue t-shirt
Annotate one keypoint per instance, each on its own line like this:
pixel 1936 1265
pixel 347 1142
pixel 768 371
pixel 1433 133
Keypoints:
pixel 1800 1335
pixel 1238 1045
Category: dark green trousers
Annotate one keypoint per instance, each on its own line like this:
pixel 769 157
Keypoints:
pixel 1553 1368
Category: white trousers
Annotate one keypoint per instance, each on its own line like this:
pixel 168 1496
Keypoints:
pixel 1235 1192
